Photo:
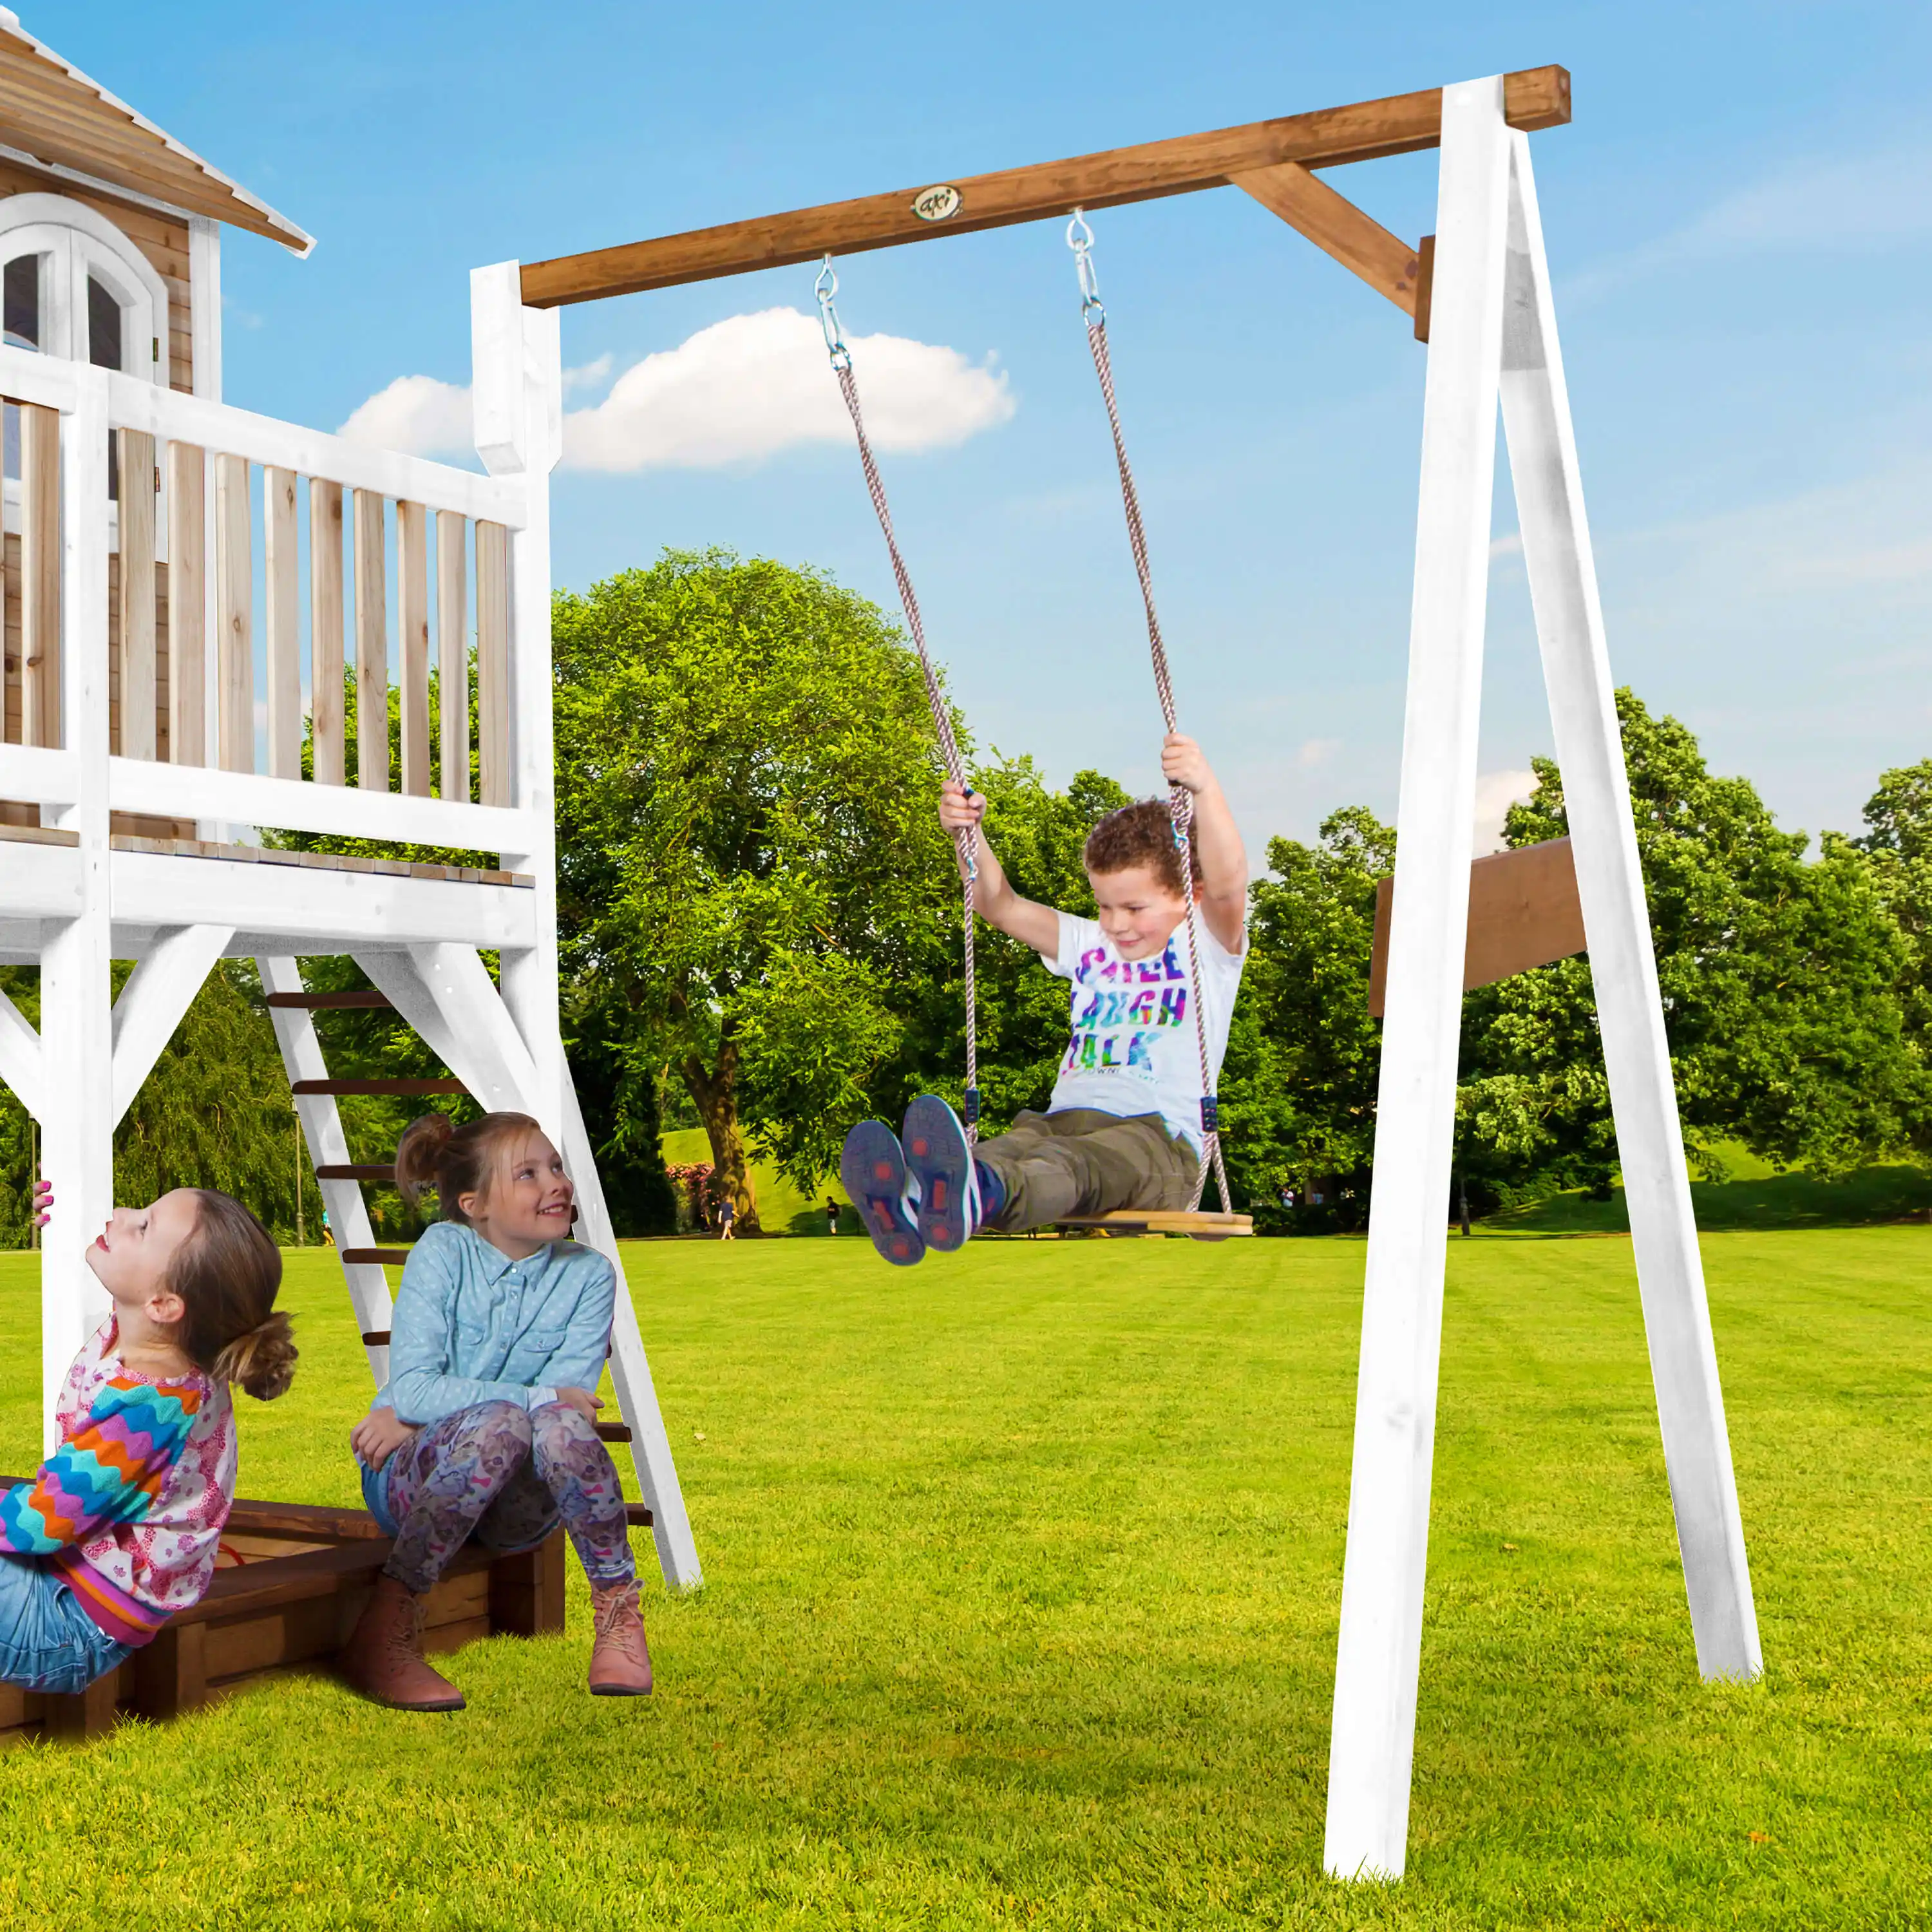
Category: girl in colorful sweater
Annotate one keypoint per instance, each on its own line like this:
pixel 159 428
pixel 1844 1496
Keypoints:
pixel 118 1529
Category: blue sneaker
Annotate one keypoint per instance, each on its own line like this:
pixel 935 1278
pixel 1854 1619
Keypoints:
pixel 873 1169
pixel 943 1170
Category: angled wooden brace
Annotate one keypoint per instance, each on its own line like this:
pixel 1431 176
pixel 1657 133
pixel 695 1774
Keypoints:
pixel 445 993
pixel 1338 228
pixel 20 1061
pixel 160 989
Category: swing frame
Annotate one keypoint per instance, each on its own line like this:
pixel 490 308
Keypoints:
pixel 1478 292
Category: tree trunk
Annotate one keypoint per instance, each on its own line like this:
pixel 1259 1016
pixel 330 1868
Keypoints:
pixel 714 1092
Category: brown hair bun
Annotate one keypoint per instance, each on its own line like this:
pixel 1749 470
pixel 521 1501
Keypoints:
pixel 456 1161
pixel 227 1273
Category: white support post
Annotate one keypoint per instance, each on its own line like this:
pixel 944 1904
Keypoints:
pixel 445 994
pixel 518 377
pixel 76 1141
pixel 1562 575
pixel 328 1146
pixel 158 992
pixel 1373 1743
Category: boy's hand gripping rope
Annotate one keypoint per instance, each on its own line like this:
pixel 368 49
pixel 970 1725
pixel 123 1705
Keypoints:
pixel 967 840
pixel 1180 801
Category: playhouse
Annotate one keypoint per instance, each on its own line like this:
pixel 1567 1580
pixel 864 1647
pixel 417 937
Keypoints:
pixel 187 587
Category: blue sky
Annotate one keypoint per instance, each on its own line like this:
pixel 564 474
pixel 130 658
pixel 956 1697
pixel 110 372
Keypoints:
pixel 1737 221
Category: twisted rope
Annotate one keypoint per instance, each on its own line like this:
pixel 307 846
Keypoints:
pixel 942 723
pixel 1180 801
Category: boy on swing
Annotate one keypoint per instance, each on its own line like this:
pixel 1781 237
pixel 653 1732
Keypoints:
pixel 1123 1128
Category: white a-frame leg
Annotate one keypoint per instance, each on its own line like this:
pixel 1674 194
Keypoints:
pixel 1493 336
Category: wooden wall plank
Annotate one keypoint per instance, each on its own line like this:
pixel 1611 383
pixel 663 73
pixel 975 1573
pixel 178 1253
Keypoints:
pixel 281 564
pixel 492 664
pixel 1396 124
pixel 325 630
pixel 136 601
pixel 372 647
pixel 39 574
pixel 452 650
pixel 412 644
pixel 234 617
pixel 187 579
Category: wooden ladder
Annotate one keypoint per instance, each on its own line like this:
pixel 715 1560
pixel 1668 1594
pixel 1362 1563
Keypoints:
pixel 340 1179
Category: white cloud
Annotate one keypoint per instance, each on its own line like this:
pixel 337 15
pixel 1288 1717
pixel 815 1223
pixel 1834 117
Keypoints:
pixel 416 414
pixel 1314 752
pixel 588 375
pixel 1495 793
pixel 737 392
pixel 1511 545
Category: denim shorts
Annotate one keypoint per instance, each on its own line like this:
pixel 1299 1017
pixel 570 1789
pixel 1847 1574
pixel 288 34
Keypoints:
pixel 47 1641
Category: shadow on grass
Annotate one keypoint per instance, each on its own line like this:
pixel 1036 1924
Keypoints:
pixel 1893 1192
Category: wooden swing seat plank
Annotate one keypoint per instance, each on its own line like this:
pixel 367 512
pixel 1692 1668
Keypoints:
pixel 1164 1221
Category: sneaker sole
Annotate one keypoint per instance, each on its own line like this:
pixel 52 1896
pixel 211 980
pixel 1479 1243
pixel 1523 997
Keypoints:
pixel 873 1170
pixel 618 1690
pixel 940 1161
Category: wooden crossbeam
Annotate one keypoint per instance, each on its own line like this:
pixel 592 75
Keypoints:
pixel 1398 124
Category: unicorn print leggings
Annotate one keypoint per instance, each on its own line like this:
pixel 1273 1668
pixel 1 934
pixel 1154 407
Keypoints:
pixel 505 1475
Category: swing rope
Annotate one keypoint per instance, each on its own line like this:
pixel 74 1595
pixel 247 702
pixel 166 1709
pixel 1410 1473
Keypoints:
pixel 826 289
pixel 1180 801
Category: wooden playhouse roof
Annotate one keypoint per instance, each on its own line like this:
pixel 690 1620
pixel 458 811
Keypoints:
pixel 51 112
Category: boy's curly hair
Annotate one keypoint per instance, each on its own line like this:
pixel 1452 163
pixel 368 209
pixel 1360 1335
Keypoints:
pixel 1140 834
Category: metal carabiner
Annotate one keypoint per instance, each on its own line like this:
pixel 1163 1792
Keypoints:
pixel 825 288
pixel 1080 239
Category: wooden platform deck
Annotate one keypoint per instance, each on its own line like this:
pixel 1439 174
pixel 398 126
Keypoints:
pixel 295 1578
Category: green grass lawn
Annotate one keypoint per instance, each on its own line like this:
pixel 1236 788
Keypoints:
pixel 1023 1576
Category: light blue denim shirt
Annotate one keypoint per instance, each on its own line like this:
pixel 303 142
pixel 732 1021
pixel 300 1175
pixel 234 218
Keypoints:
pixel 471 1325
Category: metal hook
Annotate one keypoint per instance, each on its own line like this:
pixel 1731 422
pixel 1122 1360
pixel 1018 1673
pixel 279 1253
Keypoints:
pixel 825 288
pixel 1080 239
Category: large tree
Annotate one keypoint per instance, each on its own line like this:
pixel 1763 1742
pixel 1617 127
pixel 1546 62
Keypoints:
pixel 1780 977
pixel 750 861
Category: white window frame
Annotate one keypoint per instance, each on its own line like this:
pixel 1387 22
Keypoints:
pixel 75 243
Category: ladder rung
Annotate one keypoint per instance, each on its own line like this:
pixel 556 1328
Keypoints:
pixel 612 1432
pixel 356 1171
pixel 315 1002
pixel 373 1257
pixel 444 1085
pixel 637 1516
pixel 375 1338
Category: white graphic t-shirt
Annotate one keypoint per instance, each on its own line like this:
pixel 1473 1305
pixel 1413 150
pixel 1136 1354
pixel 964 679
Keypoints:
pixel 1132 1049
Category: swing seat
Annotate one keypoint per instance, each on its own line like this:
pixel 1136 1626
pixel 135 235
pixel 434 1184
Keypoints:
pixel 1198 1224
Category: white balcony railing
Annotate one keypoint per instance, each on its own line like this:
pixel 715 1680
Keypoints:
pixel 229 527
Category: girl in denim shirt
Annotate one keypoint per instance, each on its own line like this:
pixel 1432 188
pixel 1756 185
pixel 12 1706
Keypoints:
pixel 485 1427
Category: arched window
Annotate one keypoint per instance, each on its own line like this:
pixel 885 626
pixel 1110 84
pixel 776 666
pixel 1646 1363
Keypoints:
pixel 72 284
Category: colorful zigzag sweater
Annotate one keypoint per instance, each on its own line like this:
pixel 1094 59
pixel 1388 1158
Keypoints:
pixel 131 1504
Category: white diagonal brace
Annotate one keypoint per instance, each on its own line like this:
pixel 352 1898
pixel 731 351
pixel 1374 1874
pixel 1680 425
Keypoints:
pixel 159 990
pixel 20 1061
pixel 445 993
pixel 1379 1656
pixel 1623 966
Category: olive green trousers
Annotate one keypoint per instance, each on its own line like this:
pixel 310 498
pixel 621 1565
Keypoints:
pixel 1080 1162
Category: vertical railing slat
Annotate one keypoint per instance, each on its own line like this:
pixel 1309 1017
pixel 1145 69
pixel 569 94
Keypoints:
pixel 325 628
pixel 40 575
pixel 136 613
pixel 413 643
pixel 492 664
pixel 372 647
pixel 187 582
pixel 234 617
pixel 452 651
pixel 284 604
